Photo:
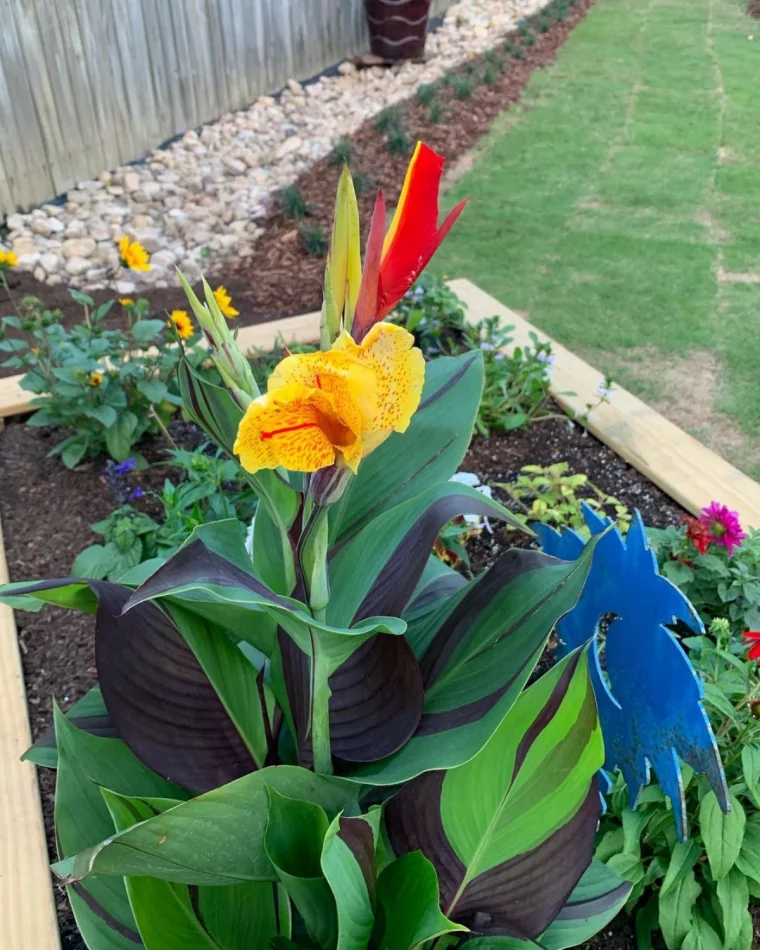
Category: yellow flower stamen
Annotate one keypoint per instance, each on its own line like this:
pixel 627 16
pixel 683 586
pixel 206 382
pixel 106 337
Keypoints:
pixel 225 302
pixel 126 302
pixel 8 259
pixel 182 323
pixel 335 407
pixel 133 255
pixel 95 379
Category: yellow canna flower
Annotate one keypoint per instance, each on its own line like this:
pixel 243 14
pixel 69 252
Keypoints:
pixel 225 302
pixel 181 321
pixel 8 259
pixel 95 379
pixel 334 407
pixel 126 301
pixel 133 255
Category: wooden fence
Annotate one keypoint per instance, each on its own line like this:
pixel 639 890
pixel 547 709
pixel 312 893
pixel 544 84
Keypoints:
pixel 86 85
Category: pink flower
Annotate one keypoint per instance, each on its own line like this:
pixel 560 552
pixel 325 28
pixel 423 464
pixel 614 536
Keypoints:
pixel 723 525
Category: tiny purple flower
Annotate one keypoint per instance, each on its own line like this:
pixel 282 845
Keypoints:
pixel 127 466
pixel 485 345
pixel 548 358
pixel 136 493
pixel 604 390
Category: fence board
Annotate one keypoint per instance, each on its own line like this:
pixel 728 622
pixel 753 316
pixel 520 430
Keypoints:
pixel 86 85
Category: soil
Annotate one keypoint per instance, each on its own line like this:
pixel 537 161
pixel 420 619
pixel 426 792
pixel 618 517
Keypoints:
pixel 280 278
pixel 754 9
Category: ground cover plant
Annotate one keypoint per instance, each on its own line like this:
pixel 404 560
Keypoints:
pixel 621 211
pixel 111 384
pixel 284 746
pixel 716 564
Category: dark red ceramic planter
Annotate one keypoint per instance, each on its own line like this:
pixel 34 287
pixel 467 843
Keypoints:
pixel 398 28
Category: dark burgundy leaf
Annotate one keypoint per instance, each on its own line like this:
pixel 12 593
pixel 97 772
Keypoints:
pixel 357 834
pixel 376 700
pixel 159 698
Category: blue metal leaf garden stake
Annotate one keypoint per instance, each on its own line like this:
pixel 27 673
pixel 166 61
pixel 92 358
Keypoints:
pixel 649 702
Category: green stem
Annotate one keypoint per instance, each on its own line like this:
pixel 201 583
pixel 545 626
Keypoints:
pixel 320 712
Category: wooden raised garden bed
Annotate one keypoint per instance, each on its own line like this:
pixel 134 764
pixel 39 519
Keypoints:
pixel 690 474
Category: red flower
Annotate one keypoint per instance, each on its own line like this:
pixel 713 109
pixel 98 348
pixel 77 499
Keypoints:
pixel 753 637
pixel 698 534
pixel 395 260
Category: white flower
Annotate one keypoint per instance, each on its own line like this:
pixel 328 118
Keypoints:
pixel 604 391
pixel 473 481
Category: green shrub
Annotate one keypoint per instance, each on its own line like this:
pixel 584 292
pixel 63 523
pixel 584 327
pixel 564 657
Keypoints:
pixel 342 153
pixel 554 495
pixel 397 142
pixel 294 203
pixel 388 119
pixel 516 387
pixel 314 240
pixel 426 94
pixel 111 386
pixel 462 86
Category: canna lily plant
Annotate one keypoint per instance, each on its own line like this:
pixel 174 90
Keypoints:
pixel 331 742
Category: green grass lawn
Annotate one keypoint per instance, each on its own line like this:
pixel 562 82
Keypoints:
pixel 619 208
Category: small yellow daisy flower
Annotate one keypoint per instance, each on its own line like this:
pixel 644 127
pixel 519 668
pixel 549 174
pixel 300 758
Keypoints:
pixel 95 379
pixel 126 301
pixel 8 259
pixel 225 302
pixel 182 323
pixel 133 255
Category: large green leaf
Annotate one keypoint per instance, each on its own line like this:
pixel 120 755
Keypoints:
pixel 408 904
pixel 348 864
pixel 512 853
pixel 702 937
pixel 477 651
pixel 677 910
pixel 88 714
pixel 429 452
pixel 163 912
pixel 81 818
pixel 733 897
pixel 216 838
pixel 294 837
pixel 722 834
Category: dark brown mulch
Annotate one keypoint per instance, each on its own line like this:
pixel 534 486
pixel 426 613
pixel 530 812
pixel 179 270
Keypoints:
pixel 754 9
pixel 280 278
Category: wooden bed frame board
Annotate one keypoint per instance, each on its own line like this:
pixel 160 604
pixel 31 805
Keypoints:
pixel 675 461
